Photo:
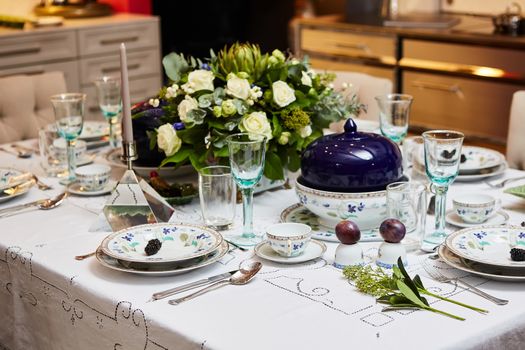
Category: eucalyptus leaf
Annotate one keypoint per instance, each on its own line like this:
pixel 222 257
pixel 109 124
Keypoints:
pixel 174 66
pixel 206 100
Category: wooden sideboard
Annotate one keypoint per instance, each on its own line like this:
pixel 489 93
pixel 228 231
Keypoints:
pixel 461 78
pixel 85 49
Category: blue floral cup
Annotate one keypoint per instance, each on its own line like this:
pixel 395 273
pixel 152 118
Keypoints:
pixel 475 208
pixel 289 239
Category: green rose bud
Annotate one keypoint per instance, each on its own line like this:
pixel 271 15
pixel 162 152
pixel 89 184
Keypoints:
pixel 284 138
pixel 243 75
pixel 228 108
pixel 273 61
pixel 279 55
pixel 217 111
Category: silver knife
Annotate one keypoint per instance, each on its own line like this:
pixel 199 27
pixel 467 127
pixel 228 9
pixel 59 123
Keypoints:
pixel 188 286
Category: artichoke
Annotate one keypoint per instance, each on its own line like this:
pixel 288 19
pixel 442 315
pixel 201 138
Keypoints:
pixel 243 58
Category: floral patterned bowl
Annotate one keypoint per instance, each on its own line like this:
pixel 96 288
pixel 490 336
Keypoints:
pixel 366 209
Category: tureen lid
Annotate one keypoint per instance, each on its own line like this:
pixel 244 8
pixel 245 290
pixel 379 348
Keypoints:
pixel 352 161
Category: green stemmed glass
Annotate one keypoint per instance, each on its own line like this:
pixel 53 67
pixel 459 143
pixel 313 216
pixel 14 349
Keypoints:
pixel 442 159
pixel 110 102
pixel 69 117
pixel 246 163
pixel 394 110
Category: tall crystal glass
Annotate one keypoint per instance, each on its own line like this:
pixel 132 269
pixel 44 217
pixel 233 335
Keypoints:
pixel 246 163
pixel 394 111
pixel 110 102
pixel 442 159
pixel 69 117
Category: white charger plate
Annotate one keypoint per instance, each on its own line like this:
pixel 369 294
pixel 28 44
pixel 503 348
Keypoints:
pixel 179 242
pixel 488 244
pixel 479 158
pixel 484 174
pixel 76 189
pixel 313 250
pixel 167 270
pixel 94 129
pixel 4 197
pixel 497 273
pixel 499 218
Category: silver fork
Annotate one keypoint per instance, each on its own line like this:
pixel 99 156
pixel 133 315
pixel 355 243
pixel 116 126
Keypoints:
pixel 438 276
pixel 504 182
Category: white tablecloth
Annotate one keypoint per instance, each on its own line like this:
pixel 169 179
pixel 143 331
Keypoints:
pixel 48 300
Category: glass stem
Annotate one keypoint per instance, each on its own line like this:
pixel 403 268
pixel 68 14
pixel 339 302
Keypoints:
pixel 112 136
pixel 441 202
pixel 71 161
pixel 247 211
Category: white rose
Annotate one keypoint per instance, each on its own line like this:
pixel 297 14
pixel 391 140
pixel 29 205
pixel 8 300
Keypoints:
pixel 238 87
pixel 305 79
pixel 228 108
pixel 283 95
pixel 186 105
pixel 154 102
pixel 305 131
pixel 167 139
pixel 201 79
pixel 257 125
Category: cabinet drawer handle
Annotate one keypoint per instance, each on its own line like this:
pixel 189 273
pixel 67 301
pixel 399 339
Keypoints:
pixel 455 89
pixel 119 40
pixel 109 70
pixel 21 51
pixel 362 47
pixel 94 109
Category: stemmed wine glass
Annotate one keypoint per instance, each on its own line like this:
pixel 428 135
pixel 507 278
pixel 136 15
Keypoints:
pixel 69 117
pixel 110 102
pixel 442 159
pixel 394 111
pixel 247 163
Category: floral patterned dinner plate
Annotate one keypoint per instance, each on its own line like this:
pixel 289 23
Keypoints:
pixel 179 242
pixel 476 159
pixel 10 178
pixel 488 244
pixel 163 270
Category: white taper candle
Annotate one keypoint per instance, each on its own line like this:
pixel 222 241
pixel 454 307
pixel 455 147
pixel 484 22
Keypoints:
pixel 127 127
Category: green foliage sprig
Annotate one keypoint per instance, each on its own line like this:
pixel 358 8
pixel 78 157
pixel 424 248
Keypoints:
pixel 397 290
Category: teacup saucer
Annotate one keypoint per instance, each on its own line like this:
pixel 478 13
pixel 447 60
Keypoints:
pixel 314 250
pixel 76 189
pixel 300 214
pixel 499 218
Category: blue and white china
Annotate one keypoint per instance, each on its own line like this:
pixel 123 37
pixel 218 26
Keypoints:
pixel 475 208
pixel 11 177
pixel 94 130
pixel 288 239
pixel 179 242
pixel 301 214
pixel 488 244
pixel 389 253
pixel 476 159
pixel 366 209
pixel 314 250
pixel 498 273
pixel 93 177
pixel 77 189
pixel 165 269
pixel 499 218
pixel 348 255
pixel 351 162
pixel 61 149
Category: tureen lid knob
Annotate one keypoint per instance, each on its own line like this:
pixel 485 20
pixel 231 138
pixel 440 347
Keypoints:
pixel 350 125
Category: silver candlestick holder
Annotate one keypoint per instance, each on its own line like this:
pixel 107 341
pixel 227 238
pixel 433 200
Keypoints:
pixel 134 202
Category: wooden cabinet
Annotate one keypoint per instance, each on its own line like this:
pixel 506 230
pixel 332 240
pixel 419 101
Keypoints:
pixel 459 80
pixel 86 49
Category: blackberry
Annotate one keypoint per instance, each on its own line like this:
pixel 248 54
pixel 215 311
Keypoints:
pixel 517 254
pixel 463 158
pixel 152 247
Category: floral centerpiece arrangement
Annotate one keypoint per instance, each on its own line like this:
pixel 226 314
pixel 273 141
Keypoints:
pixel 240 89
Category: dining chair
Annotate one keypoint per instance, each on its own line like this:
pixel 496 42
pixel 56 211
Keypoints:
pixel 24 104
pixel 515 138
pixel 366 87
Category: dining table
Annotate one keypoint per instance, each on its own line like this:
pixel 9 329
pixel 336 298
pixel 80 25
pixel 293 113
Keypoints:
pixel 49 300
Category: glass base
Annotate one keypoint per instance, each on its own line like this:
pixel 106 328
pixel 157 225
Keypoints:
pixel 432 241
pixel 245 240
pixel 67 181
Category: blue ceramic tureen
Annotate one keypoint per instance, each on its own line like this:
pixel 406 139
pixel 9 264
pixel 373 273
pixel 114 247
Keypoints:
pixel 352 162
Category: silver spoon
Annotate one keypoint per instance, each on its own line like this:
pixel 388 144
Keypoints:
pixel 23 150
pixel 44 204
pixel 85 256
pixel 243 276
pixel 18 153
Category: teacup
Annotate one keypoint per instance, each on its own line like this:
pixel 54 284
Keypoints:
pixel 475 208
pixel 93 177
pixel 288 239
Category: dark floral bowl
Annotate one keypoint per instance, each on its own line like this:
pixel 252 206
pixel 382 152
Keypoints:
pixel 351 162
pixel 366 209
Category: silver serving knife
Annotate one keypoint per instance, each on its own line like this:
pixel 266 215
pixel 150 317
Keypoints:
pixel 188 286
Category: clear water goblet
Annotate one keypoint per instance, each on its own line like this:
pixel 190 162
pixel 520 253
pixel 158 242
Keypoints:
pixel 394 111
pixel 247 164
pixel 110 102
pixel 442 159
pixel 69 118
